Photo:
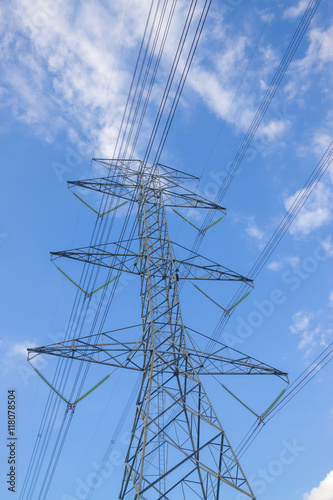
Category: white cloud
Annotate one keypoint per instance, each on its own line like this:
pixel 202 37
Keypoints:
pixel 302 327
pixel 310 336
pixel 17 349
pixel 322 492
pixel 58 64
pixel 13 353
pixel 316 212
pixel 330 299
pixel 319 53
pixel 293 261
pixel 315 68
pixel 273 129
pixel 266 15
pixel 216 80
pixel 217 85
pixel 319 141
pixel 301 321
pixel 277 265
pixel 327 244
pixel 296 10
pixel 69 67
pixel 255 233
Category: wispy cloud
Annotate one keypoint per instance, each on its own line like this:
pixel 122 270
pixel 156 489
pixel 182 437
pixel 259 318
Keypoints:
pixel 13 353
pixel 315 68
pixel 58 65
pixel 302 326
pixel 266 15
pixel 67 67
pixel 216 80
pixel 277 265
pixel 296 10
pixel 273 129
pixel 310 335
pixel 330 299
pixel 327 244
pixel 316 212
pixel 319 52
pixel 318 142
pixel 217 87
pixel 255 233
pixel 323 491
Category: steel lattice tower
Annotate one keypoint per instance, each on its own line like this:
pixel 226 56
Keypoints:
pixel 178 447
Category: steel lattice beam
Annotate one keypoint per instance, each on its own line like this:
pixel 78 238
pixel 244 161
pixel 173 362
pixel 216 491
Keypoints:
pixel 119 257
pixel 160 180
pixel 106 350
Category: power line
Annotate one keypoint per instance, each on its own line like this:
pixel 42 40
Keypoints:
pixel 89 276
pixel 297 385
pixel 261 111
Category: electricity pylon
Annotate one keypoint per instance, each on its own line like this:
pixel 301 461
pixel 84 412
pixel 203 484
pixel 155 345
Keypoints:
pixel 178 447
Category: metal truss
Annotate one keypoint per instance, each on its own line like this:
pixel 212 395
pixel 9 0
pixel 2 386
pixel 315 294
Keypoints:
pixel 178 448
pixel 164 181
pixel 107 350
pixel 182 199
pixel 119 257
pixel 129 169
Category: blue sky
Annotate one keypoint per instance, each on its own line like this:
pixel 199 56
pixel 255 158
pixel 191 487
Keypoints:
pixel 66 69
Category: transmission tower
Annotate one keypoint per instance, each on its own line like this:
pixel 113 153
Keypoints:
pixel 178 447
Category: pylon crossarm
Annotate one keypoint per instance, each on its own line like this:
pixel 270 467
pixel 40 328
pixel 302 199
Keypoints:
pixel 223 353
pixel 107 186
pixel 119 257
pixel 183 198
pixel 188 200
pixel 116 354
pixel 213 364
pixel 135 356
pixel 195 262
pixel 132 168
pixel 122 165
pixel 207 363
pixel 110 255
